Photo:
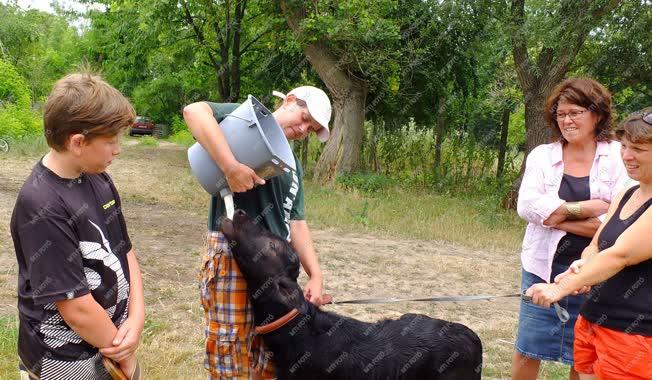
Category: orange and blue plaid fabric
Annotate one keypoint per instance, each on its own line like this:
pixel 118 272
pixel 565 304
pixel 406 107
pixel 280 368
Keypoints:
pixel 231 350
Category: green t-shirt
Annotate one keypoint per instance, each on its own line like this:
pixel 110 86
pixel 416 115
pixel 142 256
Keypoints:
pixel 275 203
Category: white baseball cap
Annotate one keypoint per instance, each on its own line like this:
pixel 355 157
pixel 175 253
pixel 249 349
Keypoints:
pixel 318 105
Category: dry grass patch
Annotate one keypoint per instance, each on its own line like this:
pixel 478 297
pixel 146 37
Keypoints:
pixel 412 245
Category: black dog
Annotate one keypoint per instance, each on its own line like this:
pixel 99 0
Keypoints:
pixel 313 344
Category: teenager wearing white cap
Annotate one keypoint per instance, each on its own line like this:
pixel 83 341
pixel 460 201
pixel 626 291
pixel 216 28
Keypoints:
pixel 315 101
pixel 231 351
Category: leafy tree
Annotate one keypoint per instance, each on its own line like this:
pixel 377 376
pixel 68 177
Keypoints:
pixel 503 97
pixel 13 89
pixel 16 117
pixel 224 34
pixel 195 50
pixel 346 43
pixel 41 46
pixel 546 38
pixel 393 61
pixel 545 41
pixel 444 46
pixel 619 56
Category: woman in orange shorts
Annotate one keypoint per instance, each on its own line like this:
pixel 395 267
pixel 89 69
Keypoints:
pixel 613 334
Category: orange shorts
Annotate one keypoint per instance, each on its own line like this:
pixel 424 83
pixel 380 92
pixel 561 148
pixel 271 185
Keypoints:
pixel 611 354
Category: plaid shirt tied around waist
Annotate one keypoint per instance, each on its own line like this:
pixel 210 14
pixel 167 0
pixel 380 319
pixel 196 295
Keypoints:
pixel 231 350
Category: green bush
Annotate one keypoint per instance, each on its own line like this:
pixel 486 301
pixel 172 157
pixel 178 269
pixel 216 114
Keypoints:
pixel 16 117
pixel 18 122
pixel 13 89
pixel 148 141
pixel 367 183
pixel 183 137
pixel 178 124
pixel 29 145
pixel 406 155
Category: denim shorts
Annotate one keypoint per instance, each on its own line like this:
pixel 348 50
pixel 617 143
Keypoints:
pixel 541 335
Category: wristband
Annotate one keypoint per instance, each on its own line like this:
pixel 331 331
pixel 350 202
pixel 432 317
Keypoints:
pixel 573 210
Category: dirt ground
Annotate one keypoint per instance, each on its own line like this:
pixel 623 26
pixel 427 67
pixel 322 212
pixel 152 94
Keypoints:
pixel 167 230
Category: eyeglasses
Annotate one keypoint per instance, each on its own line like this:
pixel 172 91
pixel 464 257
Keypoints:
pixel 574 115
pixel 646 117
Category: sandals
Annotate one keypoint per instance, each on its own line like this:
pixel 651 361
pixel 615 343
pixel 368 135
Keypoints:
pixel 116 373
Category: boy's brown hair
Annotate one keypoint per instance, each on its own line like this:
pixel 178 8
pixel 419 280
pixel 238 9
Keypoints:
pixel 583 92
pixel 84 103
pixel 635 129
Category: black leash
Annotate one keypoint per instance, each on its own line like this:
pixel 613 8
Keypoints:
pixel 562 313
pixel 428 299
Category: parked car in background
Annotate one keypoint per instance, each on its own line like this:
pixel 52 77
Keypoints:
pixel 141 126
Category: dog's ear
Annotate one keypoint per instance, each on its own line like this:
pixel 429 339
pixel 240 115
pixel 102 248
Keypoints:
pixel 289 290
pixel 294 273
pixel 285 284
pixel 293 267
pixel 226 226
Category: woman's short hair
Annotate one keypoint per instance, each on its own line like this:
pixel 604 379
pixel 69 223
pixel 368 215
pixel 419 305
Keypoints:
pixel 635 129
pixel 583 92
pixel 84 103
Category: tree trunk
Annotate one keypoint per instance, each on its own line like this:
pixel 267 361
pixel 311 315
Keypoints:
pixel 390 124
pixel 348 94
pixel 225 51
pixel 342 152
pixel 536 133
pixel 236 28
pixel 439 132
pixel 373 148
pixel 304 153
pixel 538 78
pixel 502 149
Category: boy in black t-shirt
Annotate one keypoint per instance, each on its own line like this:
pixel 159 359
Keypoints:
pixel 80 294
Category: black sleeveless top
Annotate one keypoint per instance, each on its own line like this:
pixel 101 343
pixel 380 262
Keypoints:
pixel 623 302
pixel 570 247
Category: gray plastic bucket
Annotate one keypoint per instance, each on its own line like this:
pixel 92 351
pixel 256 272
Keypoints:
pixel 256 140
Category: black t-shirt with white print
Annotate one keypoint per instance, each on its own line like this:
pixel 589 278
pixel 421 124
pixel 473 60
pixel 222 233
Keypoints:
pixel 70 239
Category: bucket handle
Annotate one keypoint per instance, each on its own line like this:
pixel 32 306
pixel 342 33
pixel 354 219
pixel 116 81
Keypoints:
pixel 227 196
pixel 251 123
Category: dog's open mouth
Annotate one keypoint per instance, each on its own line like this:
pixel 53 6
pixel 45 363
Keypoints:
pixel 226 226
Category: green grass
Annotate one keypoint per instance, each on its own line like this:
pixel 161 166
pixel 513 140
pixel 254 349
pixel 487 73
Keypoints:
pixel 183 138
pixel 30 145
pixel 498 358
pixel 371 207
pixel 472 222
pixel 8 354
pixel 151 328
pixel 386 209
pixel 148 141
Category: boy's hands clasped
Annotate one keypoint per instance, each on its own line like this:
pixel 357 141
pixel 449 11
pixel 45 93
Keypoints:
pixel 125 343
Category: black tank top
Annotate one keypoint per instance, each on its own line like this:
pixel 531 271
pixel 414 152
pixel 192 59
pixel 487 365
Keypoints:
pixel 623 302
pixel 570 247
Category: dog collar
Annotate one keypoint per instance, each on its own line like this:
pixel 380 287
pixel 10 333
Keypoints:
pixel 277 324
